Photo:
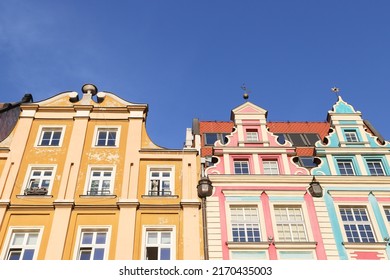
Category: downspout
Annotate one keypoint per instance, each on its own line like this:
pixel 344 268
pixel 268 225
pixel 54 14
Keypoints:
pixel 205 189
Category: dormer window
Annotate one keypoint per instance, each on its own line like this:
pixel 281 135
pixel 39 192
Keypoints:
pixel 351 136
pixel 252 135
pixel 211 138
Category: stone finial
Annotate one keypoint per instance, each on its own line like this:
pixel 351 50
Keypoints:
pixel 89 89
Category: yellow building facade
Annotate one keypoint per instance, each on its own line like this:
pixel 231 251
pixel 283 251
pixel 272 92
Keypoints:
pixel 81 179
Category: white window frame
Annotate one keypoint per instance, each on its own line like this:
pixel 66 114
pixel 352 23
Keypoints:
pixel 269 169
pixel 93 246
pixel 7 247
pixel 245 223
pixel 368 161
pixel 289 223
pixel 241 161
pixel 344 161
pixel 356 223
pixel 29 176
pixel 155 188
pixel 351 136
pixel 90 177
pixel 159 229
pixel 252 135
pixel 43 128
pixel 100 128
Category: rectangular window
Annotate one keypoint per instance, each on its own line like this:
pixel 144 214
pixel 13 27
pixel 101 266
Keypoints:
pixel 93 244
pixel 387 213
pixel 345 167
pixel 290 223
pixel 375 167
pixel 159 245
pixel 252 135
pixel 161 181
pixel 23 245
pixel 241 167
pixel 106 137
pixel 245 224
pixel 357 225
pixel 39 181
pixel 351 136
pixel 211 138
pixel 50 136
pixel 271 167
pixel 100 181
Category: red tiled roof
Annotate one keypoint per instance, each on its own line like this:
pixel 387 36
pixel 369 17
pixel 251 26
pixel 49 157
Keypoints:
pixel 215 126
pixel 322 128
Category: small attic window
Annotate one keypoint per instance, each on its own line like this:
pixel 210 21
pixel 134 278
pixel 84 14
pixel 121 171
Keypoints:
pixel 299 139
pixel 252 135
pixel 211 138
pixel 307 162
pixel 351 135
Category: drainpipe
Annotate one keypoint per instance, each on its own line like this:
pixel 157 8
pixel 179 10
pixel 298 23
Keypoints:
pixel 205 189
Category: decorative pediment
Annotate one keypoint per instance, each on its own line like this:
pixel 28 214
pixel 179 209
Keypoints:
pixel 248 109
pixel 90 96
pixel 342 107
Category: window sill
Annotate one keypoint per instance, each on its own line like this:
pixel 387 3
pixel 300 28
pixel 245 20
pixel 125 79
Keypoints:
pixel 159 196
pixel 295 245
pixel 98 196
pixel 34 195
pixel 247 245
pixel 365 245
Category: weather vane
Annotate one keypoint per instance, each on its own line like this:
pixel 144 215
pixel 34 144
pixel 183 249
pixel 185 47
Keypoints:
pixel 336 90
pixel 246 91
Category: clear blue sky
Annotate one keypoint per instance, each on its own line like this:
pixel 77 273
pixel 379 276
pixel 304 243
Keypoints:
pixel 188 59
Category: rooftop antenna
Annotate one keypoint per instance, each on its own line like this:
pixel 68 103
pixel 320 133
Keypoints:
pixel 336 91
pixel 246 91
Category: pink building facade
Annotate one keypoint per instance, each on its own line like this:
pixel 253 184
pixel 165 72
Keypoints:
pixel 260 207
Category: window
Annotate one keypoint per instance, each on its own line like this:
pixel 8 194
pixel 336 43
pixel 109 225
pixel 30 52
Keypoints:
pixel 345 167
pixel 159 245
pixel 211 138
pixel 252 135
pixel 100 181
pixel 270 167
pixel 93 244
pixel 387 213
pixel 357 225
pixel 298 139
pixel 161 181
pixel 306 162
pixel 50 136
pixel 290 224
pixel 106 137
pixel 351 136
pixel 241 167
pixel 245 224
pixel 39 181
pixel 375 167
pixel 23 245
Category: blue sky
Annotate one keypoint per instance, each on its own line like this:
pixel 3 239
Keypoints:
pixel 188 59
